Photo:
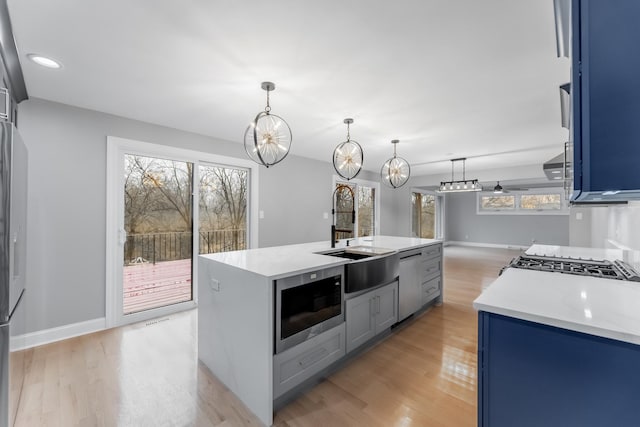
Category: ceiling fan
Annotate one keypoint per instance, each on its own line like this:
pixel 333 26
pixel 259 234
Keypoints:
pixel 499 189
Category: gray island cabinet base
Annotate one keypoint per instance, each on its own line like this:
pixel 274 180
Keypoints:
pixel 236 319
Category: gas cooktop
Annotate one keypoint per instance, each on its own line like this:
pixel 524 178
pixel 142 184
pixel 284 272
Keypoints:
pixel 584 267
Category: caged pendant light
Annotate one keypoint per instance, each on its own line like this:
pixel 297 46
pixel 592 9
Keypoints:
pixel 267 139
pixel 460 185
pixel 396 171
pixel 348 156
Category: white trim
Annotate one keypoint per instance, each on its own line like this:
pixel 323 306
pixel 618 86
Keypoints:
pixel 484 245
pixel 46 336
pixel 116 149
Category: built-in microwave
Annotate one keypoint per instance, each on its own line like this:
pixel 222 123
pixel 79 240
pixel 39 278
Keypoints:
pixel 307 305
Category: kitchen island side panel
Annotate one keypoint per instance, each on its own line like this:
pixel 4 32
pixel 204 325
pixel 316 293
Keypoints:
pixel 537 375
pixel 235 332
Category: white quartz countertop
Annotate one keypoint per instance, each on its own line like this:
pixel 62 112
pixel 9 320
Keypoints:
pixel 603 307
pixel 281 261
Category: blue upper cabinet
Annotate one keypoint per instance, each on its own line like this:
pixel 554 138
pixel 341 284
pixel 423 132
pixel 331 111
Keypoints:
pixel 606 100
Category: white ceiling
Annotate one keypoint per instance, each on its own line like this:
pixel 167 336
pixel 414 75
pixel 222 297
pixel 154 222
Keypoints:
pixel 448 78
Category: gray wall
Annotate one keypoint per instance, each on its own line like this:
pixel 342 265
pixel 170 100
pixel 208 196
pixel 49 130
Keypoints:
pixel 465 225
pixel 67 203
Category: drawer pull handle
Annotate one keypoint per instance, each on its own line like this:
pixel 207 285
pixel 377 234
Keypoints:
pixel 313 357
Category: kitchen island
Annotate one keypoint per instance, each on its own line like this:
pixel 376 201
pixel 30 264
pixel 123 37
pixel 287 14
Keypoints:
pixel 559 349
pixel 237 314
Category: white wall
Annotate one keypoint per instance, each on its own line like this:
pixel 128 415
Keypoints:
pixel 67 203
pixel 616 226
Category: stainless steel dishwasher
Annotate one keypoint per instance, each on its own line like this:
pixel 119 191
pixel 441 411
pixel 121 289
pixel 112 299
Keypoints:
pixel 409 284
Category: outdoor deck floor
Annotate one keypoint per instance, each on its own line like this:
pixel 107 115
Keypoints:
pixel 148 285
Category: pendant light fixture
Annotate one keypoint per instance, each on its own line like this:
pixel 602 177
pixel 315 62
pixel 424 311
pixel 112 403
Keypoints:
pixel 460 185
pixel 348 156
pixel 267 140
pixel 498 188
pixel 396 171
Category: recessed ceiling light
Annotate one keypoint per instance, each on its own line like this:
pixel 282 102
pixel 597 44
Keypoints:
pixel 44 61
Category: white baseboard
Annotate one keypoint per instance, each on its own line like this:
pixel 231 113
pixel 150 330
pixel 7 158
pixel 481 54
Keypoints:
pixel 46 336
pixel 484 245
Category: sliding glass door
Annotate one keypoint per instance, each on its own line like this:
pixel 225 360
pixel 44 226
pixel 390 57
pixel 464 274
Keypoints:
pixel 164 207
pixel 158 221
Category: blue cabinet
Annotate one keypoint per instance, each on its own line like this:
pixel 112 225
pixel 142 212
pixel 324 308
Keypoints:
pixel 533 375
pixel 606 100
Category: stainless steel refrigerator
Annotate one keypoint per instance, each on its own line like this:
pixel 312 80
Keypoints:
pixel 13 221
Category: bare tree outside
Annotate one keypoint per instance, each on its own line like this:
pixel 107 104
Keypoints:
pixel 223 207
pixel 423 215
pixel 158 219
pixel 366 211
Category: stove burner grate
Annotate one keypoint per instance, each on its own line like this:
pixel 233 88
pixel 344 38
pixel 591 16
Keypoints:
pixel 585 267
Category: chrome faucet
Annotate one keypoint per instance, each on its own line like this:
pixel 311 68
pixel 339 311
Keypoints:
pixel 333 211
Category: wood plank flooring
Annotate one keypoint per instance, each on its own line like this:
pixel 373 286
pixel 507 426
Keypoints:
pixel 147 374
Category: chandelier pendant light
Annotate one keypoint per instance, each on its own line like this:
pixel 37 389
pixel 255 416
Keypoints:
pixel 267 139
pixel 396 171
pixel 461 185
pixel 348 156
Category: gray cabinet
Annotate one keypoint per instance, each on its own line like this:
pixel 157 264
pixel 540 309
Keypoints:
pixel 370 314
pixel 431 274
pixel 295 365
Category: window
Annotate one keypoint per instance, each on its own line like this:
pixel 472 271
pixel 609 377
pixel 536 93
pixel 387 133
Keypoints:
pixel 423 209
pixel 539 201
pixel 366 208
pixel 497 202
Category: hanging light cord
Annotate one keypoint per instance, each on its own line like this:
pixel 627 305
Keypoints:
pixel 267 109
pixel 348 134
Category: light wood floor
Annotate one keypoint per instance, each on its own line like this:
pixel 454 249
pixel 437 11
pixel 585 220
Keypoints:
pixel 147 374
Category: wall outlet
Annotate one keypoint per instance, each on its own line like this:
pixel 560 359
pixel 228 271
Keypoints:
pixel 325 215
pixel 261 214
pixel 215 284
pixel 578 216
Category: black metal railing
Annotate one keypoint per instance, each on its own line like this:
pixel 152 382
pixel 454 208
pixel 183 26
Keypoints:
pixel 158 247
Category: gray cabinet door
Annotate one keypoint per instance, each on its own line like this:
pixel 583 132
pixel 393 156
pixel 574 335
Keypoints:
pixel 387 306
pixel 409 286
pixel 360 320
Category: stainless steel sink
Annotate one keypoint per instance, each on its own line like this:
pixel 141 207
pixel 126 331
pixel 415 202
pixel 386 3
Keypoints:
pixel 370 267
pixel 351 255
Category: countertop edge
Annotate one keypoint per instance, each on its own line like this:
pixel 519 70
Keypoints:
pixel 558 323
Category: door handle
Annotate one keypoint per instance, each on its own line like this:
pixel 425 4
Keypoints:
pixel 122 236
pixel 378 304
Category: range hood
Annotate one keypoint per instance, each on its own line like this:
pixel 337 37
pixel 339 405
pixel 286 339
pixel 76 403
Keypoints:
pixel 554 168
